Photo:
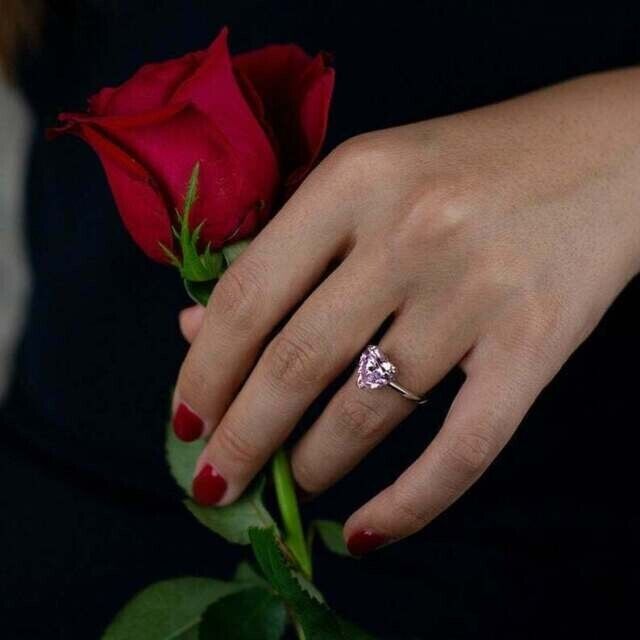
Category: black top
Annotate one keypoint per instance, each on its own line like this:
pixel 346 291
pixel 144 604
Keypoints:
pixel 101 348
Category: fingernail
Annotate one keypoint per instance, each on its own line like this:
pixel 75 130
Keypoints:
pixel 187 425
pixel 365 541
pixel 208 486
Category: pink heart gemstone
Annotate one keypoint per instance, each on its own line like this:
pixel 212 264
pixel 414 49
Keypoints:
pixel 374 369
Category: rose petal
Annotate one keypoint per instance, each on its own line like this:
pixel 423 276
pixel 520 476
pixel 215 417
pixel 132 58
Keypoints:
pixel 296 92
pixel 214 90
pixel 232 201
pixel 314 119
pixel 142 206
pixel 149 88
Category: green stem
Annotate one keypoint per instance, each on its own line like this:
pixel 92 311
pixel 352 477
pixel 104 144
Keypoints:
pixel 299 630
pixel 288 503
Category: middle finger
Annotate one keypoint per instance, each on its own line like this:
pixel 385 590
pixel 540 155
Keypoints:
pixel 317 343
pixel 425 346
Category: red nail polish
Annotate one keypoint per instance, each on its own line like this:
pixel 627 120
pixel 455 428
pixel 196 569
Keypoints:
pixel 208 486
pixel 187 425
pixel 365 541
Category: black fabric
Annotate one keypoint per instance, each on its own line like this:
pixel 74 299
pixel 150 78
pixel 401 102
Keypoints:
pixel 543 546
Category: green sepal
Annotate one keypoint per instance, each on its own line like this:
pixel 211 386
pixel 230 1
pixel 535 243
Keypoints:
pixel 199 292
pixel 194 265
pixel 232 251
pixel 172 257
pixel 200 270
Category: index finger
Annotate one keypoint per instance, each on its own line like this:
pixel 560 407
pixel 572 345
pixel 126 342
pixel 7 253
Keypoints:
pixel 253 296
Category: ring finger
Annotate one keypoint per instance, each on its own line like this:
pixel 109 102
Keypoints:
pixel 424 348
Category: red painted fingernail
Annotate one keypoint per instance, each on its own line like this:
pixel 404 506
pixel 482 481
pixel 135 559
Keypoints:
pixel 208 486
pixel 365 541
pixel 187 425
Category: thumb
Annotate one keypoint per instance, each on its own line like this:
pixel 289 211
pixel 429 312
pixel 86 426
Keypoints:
pixel 191 320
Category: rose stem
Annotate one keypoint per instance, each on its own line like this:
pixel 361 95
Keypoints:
pixel 294 536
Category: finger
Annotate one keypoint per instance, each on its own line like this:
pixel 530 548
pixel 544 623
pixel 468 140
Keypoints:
pixel 251 298
pixel 317 343
pixel 424 346
pixel 191 320
pixel 484 415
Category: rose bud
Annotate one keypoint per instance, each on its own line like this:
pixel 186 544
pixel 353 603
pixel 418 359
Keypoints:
pixel 251 125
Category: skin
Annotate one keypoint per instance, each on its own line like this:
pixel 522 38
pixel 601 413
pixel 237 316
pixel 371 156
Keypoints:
pixel 495 239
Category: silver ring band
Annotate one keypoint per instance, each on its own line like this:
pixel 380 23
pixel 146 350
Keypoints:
pixel 376 371
pixel 408 394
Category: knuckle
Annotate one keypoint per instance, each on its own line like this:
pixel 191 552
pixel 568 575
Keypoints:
pixel 351 150
pixel 449 216
pixel 237 296
pixel 294 359
pixel 469 455
pixel 358 158
pixel 235 447
pixel 359 420
pixel 438 216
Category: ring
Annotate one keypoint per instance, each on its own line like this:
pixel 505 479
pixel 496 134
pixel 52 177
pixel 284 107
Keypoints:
pixel 375 371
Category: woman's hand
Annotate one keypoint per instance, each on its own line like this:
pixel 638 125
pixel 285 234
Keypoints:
pixel 495 239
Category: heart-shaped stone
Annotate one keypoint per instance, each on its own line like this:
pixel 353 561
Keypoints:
pixel 374 369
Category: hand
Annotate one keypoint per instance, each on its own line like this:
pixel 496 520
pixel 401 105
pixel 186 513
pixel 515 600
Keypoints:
pixel 495 240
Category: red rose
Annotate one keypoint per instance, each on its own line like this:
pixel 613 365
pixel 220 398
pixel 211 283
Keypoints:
pixel 254 122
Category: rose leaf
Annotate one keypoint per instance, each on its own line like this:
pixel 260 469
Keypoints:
pixel 182 457
pixel 317 621
pixel 168 610
pixel 330 533
pixel 233 522
pixel 246 574
pixel 254 614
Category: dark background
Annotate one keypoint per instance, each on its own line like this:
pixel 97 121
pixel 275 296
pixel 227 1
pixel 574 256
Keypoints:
pixel 545 545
